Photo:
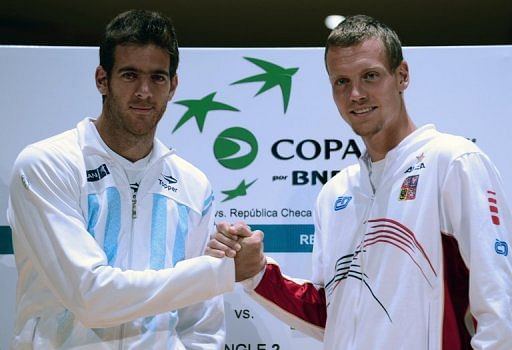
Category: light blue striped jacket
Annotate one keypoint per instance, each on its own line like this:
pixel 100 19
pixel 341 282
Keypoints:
pixel 100 270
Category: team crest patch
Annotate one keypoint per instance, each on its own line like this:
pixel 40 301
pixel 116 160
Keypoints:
pixel 408 189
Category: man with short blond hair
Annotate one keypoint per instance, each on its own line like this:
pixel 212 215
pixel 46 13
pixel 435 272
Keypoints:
pixel 410 243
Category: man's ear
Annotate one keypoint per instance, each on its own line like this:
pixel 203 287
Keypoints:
pixel 174 85
pixel 403 76
pixel 101 80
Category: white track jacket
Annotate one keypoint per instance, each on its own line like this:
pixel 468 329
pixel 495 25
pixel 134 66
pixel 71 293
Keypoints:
pixel 99 269
pixel 417 264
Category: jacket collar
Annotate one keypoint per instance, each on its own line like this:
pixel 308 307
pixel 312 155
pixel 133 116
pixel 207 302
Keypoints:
pixel 91 146
pixel 420 135
pixel 423 133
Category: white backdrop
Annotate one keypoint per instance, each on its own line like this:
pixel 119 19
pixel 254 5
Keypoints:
pixel 269 168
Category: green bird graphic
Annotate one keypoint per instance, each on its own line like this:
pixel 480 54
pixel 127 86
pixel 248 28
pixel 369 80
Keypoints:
pixel 199 109
pixel 240 190
pixel 274 76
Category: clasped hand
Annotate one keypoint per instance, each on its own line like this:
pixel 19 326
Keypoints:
pixel 239 242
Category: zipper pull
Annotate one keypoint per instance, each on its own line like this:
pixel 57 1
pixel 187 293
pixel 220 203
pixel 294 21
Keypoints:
pixel 135 188
pixel 134 206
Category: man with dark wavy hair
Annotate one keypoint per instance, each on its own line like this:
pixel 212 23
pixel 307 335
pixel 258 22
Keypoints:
pixel 411 244
pixel 109 225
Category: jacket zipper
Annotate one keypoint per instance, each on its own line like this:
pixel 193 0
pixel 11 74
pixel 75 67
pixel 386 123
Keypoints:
pixel 134 216
pixel 130 253
pixel 134 206
pixel 364 229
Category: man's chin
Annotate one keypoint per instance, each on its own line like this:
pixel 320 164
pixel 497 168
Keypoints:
pixel 141 129
pixel 365 131
pixel 141 132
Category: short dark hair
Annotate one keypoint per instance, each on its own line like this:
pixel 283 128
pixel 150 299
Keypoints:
pixel 140 27
pixel 356 29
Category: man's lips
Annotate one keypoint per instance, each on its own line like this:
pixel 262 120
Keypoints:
pixel 362 110
pixel 141 109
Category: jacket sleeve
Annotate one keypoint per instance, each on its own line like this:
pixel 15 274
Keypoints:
pixel 299 303
pixel 49 233
pixel 475 211
pixel 202 326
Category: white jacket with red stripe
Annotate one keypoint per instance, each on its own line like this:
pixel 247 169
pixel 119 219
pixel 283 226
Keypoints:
pixel 417 264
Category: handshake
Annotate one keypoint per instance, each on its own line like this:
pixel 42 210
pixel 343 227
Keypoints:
pixel 239 242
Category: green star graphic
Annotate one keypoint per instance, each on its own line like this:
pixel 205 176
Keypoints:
pixel 240 190
pixel 274 76
pixel 199 109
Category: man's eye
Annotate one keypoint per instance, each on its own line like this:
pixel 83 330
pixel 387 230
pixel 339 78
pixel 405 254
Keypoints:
pixel 341 82
pixel 159 78
pixel 371 76
pixel 129 75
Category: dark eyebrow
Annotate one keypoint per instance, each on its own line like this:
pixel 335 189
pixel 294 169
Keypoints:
pixel 133 69
pixel 161 71
pixel 128 69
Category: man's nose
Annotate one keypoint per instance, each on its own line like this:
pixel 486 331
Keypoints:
pixel 357 93
pixel 143 89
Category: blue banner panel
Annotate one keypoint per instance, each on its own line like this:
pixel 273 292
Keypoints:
pixel 287 238
pixel 5 240
pixel 278 238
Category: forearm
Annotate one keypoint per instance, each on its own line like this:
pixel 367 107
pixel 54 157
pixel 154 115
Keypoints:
pixel 296 302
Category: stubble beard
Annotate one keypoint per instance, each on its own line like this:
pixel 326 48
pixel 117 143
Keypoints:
pixel 119 120
pixel 367 131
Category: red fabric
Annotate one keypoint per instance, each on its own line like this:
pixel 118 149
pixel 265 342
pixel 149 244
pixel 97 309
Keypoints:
pixel 456 297
pixel 302 300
